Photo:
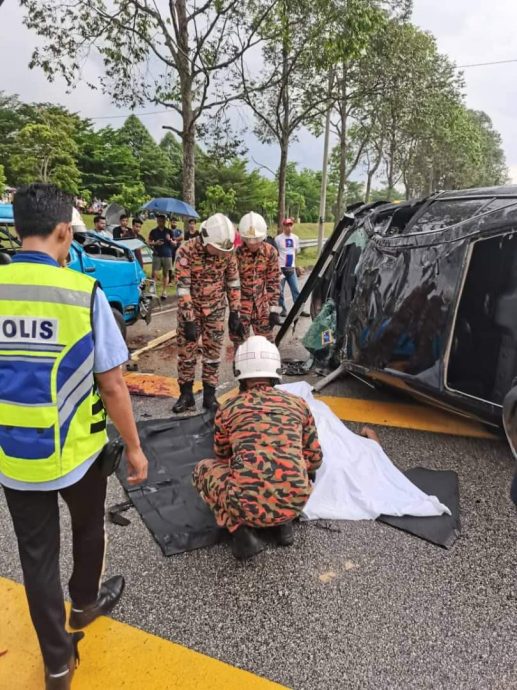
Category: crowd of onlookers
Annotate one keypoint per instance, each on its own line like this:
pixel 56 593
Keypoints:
pixel 166 238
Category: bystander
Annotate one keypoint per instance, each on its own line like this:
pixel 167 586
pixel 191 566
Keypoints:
pixel 160 240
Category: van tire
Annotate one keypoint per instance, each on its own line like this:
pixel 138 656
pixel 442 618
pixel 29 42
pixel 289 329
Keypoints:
pixel 119 318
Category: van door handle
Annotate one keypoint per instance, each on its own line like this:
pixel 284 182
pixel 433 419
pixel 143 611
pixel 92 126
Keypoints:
pixel 90 269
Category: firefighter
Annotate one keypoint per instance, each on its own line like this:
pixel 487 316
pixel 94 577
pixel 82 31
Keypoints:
pixel 266 451
pixel 206 272
pixel 259 273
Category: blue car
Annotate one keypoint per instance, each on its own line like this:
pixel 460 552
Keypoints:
pixel 114 266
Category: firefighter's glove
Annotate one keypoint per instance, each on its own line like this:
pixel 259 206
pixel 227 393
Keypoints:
pixel 274 319
pixel 190 331
pixel 235 324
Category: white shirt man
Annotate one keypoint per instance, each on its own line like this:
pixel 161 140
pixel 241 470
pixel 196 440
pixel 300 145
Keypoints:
pixel 288 245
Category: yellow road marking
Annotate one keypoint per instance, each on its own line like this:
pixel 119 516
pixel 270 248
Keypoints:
pixel 404 416
pixel 113 656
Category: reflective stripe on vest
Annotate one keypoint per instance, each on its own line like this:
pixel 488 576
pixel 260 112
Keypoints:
pixel 51 416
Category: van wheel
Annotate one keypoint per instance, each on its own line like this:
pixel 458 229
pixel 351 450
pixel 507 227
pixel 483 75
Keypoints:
pixel 120 322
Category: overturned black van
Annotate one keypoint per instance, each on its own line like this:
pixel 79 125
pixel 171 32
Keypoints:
pixel 426 296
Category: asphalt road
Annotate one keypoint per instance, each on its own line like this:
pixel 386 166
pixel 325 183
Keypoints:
pixel 351 604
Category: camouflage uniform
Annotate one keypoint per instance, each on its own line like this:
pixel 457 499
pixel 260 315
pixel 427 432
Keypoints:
pixel 260 289
pixel 266 443
pixel 202 282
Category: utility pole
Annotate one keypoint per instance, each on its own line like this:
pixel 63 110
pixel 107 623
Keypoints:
pixel 324 170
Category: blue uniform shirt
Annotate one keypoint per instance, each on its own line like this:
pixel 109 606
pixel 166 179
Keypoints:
pixel 110 351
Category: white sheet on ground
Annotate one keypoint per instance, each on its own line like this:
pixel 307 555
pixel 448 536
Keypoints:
pixel 357 480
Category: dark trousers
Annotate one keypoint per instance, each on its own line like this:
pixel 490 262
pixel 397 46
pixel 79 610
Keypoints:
pixel 35 516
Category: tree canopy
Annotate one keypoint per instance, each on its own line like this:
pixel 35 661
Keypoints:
pixel 395 105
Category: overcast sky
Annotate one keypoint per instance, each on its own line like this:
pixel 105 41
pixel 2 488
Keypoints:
pixel 469 31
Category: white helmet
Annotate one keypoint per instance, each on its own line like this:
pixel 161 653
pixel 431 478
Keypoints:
pixel 257 358
pixel 77 222
pixel 253 226
pixel 218 231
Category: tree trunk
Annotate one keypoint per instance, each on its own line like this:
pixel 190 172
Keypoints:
pixel 343 148
pixel 372 171
pixel 189 164
pixel 44 171
pixel 407 191
pixel 284 142
pixel 189 123
pixel 368 190
pixel 391 166
pixel 282 170
pixel 324 168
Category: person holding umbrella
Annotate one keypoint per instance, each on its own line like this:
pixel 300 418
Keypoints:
pixel 160 239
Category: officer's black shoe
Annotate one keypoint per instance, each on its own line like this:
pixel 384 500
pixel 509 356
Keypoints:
pixel 284 534
pixel 246 543
pixel 108 598
pixel 63 680
pixel 209 399
pixel 186 401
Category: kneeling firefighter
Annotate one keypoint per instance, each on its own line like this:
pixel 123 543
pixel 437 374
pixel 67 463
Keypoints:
pixel 266 452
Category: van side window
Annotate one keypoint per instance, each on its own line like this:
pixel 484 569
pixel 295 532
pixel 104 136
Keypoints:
pixel 442 214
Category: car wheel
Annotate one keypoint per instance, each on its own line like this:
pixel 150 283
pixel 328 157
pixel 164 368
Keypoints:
pixel 119 318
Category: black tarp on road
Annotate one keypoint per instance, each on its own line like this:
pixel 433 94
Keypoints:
pixel 168 503
pixel 442 530
pixel 179 520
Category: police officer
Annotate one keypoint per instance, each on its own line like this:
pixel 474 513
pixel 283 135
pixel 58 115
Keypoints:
pixel 60 357
pixel 259 273
pixel 266 448
pixel 206 272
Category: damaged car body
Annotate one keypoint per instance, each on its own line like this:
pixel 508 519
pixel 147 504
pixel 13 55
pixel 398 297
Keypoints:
pixel 128 290
pixel 426 298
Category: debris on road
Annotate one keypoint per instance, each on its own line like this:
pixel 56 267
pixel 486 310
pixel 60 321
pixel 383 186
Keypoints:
pixel 152 385
pixel 132 365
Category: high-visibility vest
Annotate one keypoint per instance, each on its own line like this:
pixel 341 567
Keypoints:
pixel 51 416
